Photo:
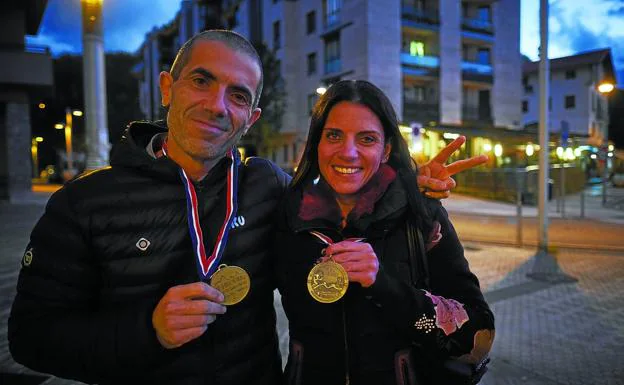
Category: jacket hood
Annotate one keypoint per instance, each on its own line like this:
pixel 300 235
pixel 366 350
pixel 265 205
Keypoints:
pixel 131 152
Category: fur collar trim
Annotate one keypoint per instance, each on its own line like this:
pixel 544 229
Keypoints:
pixel 319 203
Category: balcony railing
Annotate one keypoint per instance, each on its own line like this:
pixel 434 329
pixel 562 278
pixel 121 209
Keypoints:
pixel 423 112
pixel 477 114
pixel 421 16
pixel 333 66
pixel 420 61
pixel 478 25
pixel 483 69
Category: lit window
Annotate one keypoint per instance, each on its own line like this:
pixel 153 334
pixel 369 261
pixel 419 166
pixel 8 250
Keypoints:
pixel 417 48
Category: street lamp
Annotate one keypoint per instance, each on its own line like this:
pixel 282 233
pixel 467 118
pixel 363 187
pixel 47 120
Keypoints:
pixel 34 151
pixel 606 87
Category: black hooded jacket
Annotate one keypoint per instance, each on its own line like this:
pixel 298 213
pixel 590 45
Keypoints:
pixel 368 336
pixel 86 295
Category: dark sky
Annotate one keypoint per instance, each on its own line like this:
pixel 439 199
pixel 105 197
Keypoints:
pixel 575 26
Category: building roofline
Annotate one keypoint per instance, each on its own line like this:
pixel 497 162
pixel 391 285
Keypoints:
pixel 598 56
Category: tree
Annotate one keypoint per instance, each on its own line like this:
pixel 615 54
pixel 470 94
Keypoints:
pixel 262 136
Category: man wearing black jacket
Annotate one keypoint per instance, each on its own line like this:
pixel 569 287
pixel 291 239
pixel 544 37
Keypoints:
pixel 109 292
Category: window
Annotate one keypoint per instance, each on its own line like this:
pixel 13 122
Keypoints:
pixel 312 63
pixel 312 98
pixel 570 102
pixel 414 94
pixel 276 35
pixel 332 54
pixel 525 106
pixel 417 48
pixel 331 10
pixel 570 74
pixel 528 89
pixel 285 153
pixel 294 150
pixel 311 22
pixel 483 56
pixel 484 13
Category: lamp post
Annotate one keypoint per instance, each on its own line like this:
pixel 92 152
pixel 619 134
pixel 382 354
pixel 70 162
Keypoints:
pixel 605 88
pixel 68 142
pixel 34 152
pixel 94 79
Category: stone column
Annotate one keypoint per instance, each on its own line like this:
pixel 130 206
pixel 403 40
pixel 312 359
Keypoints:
pixel 450 62
pixel 94 77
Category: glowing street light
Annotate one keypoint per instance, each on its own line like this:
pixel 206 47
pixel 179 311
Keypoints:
pixel 42 105
pixel 530 150
pixel 34 152
pixel 77 113
pixel 59 126
pixel 605 88
pixel 321 90
pixel 498 149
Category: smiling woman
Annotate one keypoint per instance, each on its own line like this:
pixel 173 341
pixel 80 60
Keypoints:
pixel 360 292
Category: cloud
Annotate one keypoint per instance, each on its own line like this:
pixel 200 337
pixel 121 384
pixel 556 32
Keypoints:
pixel 125 23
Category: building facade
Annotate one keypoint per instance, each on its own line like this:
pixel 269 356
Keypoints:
pixel 575 104
pixel 26 76
pixel 444 64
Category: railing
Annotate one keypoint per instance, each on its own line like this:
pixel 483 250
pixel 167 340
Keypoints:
pixel 420 61
pixel 503 183
pixel 477 25
pixel 423 112
pixel 420 16
pixel 333 66
pixel 482 69
pixel 476 114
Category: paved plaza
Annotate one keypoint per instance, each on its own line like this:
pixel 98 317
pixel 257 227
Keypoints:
pixel 548 332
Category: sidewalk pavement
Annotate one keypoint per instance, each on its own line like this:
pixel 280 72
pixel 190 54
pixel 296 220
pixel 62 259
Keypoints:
pixel 547 333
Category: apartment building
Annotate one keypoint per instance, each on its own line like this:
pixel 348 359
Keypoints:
pixel 445 64
pixel 575 102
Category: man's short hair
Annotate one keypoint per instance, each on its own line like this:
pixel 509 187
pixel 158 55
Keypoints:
pixel 232 40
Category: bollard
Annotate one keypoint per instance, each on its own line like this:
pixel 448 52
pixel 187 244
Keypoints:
pixel 519 218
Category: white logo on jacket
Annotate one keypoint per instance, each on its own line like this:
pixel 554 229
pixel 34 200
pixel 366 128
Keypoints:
pixel 239 221
pixel 142 244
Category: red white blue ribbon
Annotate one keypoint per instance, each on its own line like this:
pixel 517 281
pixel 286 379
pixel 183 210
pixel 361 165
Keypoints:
pixel 207 265
pixel 328 241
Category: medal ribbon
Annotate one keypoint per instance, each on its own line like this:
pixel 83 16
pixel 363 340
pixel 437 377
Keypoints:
pixel 207 265
pixel 328 241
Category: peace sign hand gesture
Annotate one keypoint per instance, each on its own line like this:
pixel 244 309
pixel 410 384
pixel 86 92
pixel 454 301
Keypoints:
pixel 434 178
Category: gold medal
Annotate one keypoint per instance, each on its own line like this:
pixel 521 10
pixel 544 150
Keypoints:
pixel 233 282
pixel 327 282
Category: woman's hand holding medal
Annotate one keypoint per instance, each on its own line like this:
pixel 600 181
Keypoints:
pixel 185 312
pixel 357 258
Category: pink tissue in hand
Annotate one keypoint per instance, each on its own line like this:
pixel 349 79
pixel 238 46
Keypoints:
pixel 450 314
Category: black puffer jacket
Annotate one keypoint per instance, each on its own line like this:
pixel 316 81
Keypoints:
pixel 368 335
pixel 85 298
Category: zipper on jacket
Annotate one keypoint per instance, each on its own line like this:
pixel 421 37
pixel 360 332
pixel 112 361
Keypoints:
pixel 346 344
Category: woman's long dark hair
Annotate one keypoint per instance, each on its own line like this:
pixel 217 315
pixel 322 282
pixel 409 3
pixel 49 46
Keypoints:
pixel 368 95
